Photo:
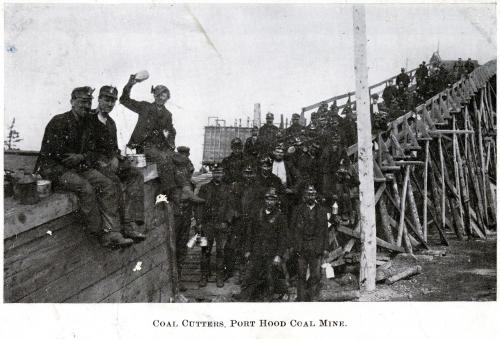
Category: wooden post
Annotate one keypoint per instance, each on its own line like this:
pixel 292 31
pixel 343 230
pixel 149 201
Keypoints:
pixel 443 185
pixel 365 156
pixel 384 219
pixel 426 171
pixel 402 206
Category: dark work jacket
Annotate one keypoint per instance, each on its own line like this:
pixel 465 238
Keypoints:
pixel 184 169
pixel 247 195
pixel 151 122
pixel 233 167
pixel 293 131
pixel 310 230
pixel 330 163
pixel 219 203
pixel 389 94
pixel 403 78
pixel 308 167
pixel 264 183
pixel 251 147
pixel 63 134
pixel 99 140
pixel 268 235
pixel 349 131
pixel 268 136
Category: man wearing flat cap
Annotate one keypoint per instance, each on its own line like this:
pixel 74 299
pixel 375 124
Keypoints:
pixel 154 133
pixel 63 161
pixel 268 135
pixel 100 142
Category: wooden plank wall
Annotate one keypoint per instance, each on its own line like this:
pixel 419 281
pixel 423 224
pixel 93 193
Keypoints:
pixel 71 266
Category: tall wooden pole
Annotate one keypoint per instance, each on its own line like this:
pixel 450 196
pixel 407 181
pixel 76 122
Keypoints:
pixel 365 156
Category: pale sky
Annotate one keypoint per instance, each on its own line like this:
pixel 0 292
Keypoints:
pixel 218 60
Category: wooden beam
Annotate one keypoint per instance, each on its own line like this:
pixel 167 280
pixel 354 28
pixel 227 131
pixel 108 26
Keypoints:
pixel 379 241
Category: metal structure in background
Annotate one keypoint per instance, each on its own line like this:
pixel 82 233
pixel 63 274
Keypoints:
pixel 217 139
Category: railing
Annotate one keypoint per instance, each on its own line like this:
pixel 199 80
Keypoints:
pixel 372 90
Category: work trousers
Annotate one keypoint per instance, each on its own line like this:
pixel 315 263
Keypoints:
pixel 262 279
pixel 98 198
pixel 164 166
pixel 130 184
pixel 233 251
pixel 308 289
pixel 182 227
pixel 213 232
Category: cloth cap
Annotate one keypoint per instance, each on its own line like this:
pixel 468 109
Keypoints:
pixel 109 91
pixel 157 90
pixel 269 115
pixel 295 116
pixel 236 142
pixel 183 149
pixel 82 93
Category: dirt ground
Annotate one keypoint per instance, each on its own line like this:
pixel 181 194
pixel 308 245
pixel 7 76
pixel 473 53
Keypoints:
pixel 466 272
pixel 463 271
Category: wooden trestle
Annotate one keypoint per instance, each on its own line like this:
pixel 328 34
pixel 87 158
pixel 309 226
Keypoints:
pixel 438 166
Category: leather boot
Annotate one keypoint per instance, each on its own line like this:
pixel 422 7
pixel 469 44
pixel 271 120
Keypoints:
pixel 220 274
pixel 130 231
pixel 188 194
pixel 115 239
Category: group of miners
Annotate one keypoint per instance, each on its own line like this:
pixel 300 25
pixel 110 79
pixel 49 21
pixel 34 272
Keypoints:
pixel 399 98
pixel 267 208
pixel 79 153
pixel 269 203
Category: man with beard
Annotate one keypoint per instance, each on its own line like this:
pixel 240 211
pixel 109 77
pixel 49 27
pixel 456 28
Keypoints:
pixel 214 219
pixel 62 161
pixel 265 248
pixel 310 243
pixel 100 142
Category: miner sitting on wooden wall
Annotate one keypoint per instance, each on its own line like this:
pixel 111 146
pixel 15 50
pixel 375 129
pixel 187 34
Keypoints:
pixel 63 161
